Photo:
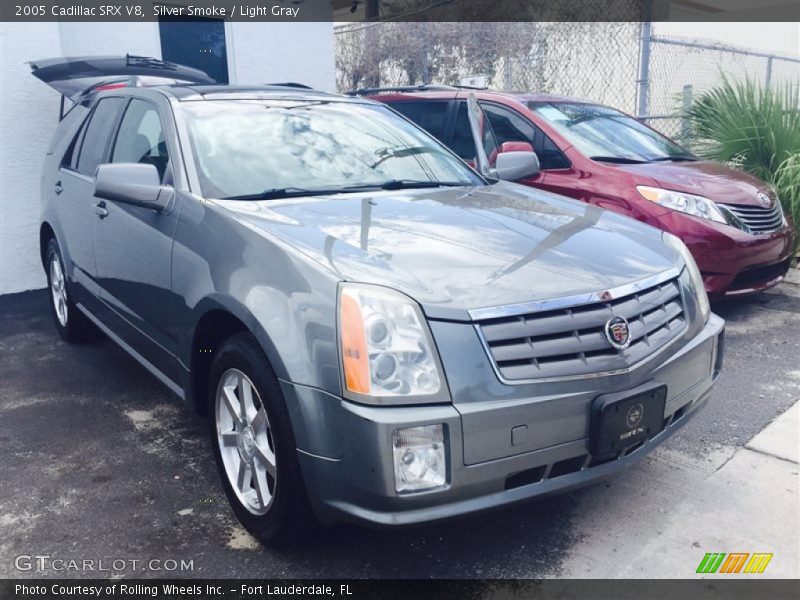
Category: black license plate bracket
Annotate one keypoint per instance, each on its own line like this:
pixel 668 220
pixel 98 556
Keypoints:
pixel 623 419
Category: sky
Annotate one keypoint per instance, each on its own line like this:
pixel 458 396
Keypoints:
pixel 781 38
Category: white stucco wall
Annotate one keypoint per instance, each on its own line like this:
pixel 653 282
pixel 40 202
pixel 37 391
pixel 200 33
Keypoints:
pixel 257 53
pixel 28 114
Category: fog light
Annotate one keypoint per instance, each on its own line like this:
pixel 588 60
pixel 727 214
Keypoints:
pixel 419 460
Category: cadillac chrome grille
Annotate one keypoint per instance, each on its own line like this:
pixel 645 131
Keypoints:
pixel 758 219
pixel 572 342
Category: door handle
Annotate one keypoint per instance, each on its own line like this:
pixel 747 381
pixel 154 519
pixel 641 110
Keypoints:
pixel 100 209
pixel 58 187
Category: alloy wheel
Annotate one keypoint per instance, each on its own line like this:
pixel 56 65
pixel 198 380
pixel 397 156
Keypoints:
pixel 245 441
pixel 58 289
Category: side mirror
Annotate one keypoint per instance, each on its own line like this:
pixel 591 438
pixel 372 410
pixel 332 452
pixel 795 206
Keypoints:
pixel 132 183
pixel 516 165
pixel 515 147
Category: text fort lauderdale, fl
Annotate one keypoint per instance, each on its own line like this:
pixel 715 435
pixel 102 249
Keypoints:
pixel 222 12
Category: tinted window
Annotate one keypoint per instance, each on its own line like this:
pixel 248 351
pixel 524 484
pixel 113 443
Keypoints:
pixel 431 116
pixel 510 126
pixel 95 138
pixel 244 147
pixel 141 137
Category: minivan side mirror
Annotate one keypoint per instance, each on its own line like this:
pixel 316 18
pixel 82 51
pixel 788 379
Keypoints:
pixel 516 165
pixel 132 183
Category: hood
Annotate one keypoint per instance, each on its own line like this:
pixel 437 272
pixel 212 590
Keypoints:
pixel 715 181
pixel 456 249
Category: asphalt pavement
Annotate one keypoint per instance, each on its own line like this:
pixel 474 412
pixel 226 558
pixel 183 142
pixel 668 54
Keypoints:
pixel 99 462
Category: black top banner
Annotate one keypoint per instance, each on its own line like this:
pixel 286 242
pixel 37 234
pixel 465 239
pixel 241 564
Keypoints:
pixel 402 10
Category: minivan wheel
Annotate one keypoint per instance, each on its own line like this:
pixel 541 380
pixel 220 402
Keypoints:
pixel 254 447
pixel 71 324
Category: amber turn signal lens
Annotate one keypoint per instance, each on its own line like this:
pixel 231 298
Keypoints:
pixel 354 346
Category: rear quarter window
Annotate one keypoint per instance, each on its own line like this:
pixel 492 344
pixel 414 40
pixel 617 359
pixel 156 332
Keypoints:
pixel 95 138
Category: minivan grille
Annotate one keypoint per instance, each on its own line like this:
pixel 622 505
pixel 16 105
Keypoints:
pixel 757 218
pixel 572 342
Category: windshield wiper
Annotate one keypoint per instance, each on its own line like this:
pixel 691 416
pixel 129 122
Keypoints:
pixel 402 184
pixel 619 159
pixel 275 193
pixel 392 184
pixel 676 158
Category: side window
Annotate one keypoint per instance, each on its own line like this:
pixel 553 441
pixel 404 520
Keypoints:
pixel 141 137
pixel 463 144
pixel 550 157
pixel 509 126
pixel 431 116
pixel 95 137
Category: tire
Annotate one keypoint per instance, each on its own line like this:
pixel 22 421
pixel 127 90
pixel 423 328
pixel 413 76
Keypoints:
pixel 72 324
pixel 256 456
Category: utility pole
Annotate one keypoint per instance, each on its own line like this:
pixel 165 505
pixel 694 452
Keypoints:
pixel 371 51
pixel 643 83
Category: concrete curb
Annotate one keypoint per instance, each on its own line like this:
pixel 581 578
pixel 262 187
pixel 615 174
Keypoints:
pixel 781 438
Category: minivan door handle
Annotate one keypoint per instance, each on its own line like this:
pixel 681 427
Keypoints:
pixel 58 187
pixel 100 209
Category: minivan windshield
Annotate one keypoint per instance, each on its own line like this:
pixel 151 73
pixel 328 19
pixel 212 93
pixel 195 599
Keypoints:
pixel 605 134
pixel 261 149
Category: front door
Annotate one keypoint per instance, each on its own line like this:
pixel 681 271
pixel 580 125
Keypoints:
pixel 133 245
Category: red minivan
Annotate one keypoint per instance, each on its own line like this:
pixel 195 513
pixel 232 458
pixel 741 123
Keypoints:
pixel 732 222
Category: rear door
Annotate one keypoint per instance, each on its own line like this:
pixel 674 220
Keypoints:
pixel 74 190
pixel 133 244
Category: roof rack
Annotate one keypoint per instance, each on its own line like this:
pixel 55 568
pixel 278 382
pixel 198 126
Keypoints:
pixel 133 60
pixel 426 87
pixel 292 84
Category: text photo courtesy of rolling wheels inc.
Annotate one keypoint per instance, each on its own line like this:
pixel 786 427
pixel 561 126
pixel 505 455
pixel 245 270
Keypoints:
pixel 399 298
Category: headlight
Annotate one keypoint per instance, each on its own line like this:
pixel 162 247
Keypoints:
pixel 387 349
pixel 690 204
pixel 419 458
pixel 694 273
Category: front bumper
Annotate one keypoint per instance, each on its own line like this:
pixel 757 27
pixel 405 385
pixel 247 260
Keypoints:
pixel 346 458
pixel 733 262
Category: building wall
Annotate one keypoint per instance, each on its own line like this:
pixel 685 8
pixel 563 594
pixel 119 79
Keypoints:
pixel 257 53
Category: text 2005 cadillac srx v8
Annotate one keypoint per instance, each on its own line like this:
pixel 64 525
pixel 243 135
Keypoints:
pixel 376 332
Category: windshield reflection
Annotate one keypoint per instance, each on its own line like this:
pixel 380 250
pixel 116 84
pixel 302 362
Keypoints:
pixel 252 148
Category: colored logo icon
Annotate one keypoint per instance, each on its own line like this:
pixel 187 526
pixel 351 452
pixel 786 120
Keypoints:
pixel 736 562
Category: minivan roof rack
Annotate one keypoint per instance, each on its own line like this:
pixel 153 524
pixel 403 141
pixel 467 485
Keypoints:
pixel 425 87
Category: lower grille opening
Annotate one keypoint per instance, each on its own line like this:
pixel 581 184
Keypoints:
pixel 679 413
pixel 527 477
pixel 632 449
pixel 720 354
pixel 760 276
pixel 565 467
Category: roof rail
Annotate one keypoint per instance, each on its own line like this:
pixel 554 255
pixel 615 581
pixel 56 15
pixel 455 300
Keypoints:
pixel 133 60
pixel 426 87
pixel 292 84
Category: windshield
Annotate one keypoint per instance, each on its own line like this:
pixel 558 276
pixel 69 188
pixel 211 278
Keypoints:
pixel 275 148
pixel 603 133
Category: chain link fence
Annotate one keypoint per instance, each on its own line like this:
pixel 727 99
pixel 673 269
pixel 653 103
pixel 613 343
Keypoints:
pixel 598 61
pixel 680 70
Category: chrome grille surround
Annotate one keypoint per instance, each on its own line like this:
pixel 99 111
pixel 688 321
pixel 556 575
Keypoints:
pixel 564 338
pixel 756 219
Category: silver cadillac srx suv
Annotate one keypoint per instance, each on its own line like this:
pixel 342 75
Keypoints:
pixel 377 332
